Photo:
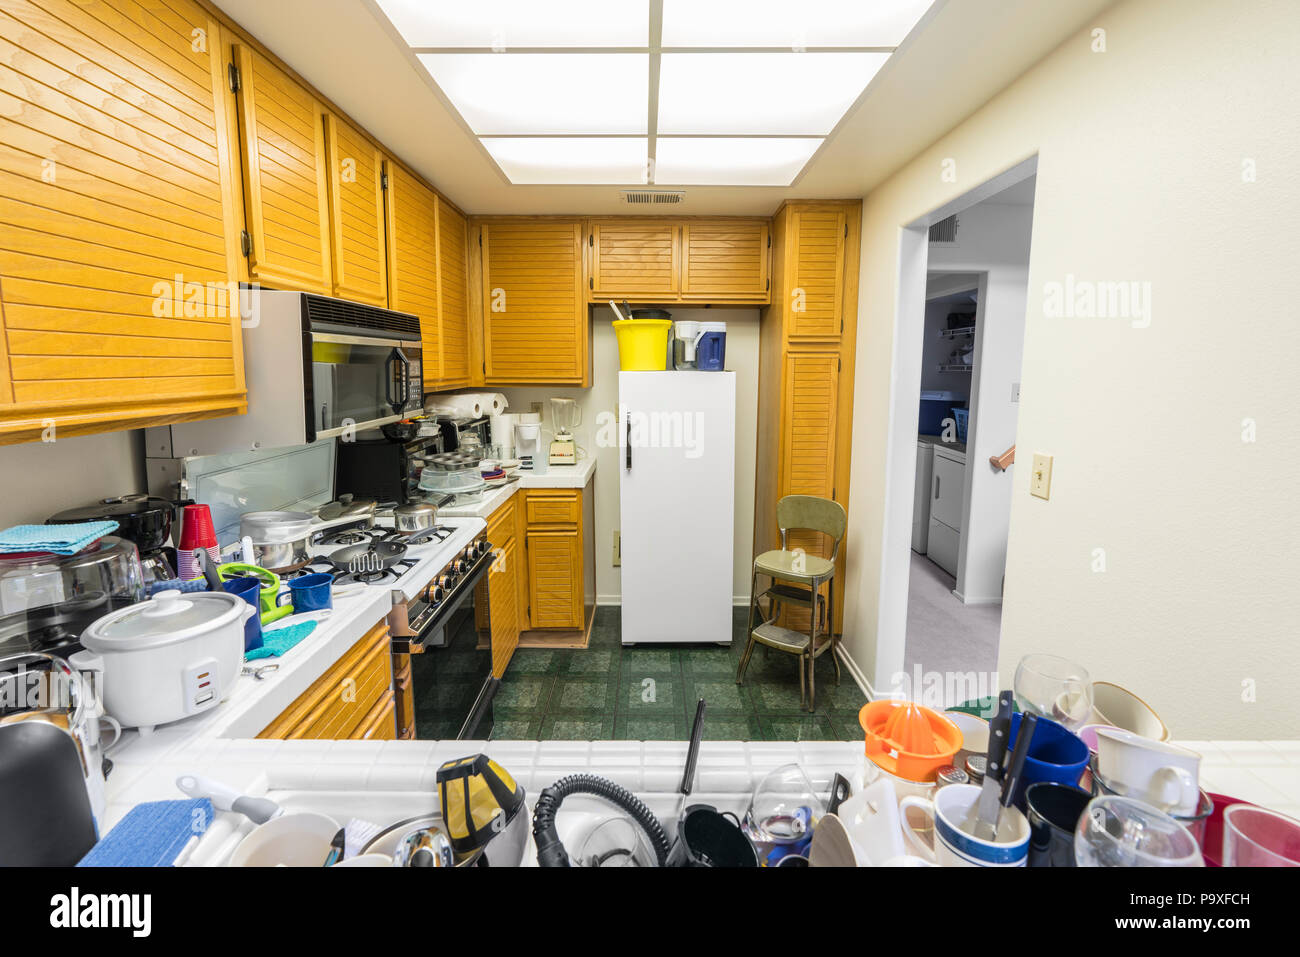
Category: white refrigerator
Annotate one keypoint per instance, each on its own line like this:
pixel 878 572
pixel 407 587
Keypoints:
pixel 677 467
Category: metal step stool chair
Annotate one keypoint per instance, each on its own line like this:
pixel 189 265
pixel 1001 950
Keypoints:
pixel 796 579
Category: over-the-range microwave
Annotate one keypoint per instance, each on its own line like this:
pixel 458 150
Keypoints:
pixel 315 367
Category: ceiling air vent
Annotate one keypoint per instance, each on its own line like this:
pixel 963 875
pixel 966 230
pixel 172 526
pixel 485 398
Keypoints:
pixel 944 231
pixel 653 197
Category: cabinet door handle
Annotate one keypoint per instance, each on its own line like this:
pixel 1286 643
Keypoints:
pixel 936 487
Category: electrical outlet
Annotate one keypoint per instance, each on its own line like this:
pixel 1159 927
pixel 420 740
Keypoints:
pixel 618 548
pixel 1040 479
pixel 536 407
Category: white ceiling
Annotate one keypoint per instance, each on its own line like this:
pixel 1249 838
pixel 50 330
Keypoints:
pixel 965 54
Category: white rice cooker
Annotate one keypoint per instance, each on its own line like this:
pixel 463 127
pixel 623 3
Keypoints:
pixel 167 658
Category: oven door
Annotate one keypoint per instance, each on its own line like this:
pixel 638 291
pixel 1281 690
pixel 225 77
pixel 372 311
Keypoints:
pixel 358 382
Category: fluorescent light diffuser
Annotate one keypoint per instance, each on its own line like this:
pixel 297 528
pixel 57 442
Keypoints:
pixel 768 93
pixel 510 24
pixel 790 24
pixel 708 161
pixel 529 160
pixel 528 93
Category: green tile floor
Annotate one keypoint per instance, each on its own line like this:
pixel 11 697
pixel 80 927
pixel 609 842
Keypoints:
pixel 643 693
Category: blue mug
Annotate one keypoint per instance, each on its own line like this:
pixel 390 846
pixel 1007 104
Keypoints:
pixel 311 592
pixel 250 590
pixel 1056 754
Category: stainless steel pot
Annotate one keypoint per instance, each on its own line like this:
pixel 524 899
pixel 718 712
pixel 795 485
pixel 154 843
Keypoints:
pixel 415 517
pixel 278 556
pixel 275 526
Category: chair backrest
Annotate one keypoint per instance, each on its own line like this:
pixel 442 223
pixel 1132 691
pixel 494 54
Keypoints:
pixel 812 513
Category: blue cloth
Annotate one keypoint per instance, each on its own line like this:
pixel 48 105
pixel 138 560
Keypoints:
pixel 59 539
pixel 280 640
pixel 151 834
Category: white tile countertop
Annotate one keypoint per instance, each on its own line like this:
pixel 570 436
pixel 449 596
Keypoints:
pixel 555 476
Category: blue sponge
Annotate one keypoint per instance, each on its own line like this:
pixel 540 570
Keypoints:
pixel 151 835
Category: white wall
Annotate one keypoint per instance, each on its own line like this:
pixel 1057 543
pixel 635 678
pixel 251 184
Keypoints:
pixel 742 358
pixel 41 478
pixel 1145 154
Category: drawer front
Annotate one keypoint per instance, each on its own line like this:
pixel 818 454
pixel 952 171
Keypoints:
pixel 501 524
pixel 553 509
pixel 381 723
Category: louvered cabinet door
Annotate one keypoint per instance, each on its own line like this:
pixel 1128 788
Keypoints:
pixel 413 262
pixel 286 183
pixel 118 233
pixel 815 270
pixel 637 260
pixel 810 401
pixel 453 296
pixel 555 578
pixel 725 261
pixel 356 194
pixel 534 313
pixel 503 598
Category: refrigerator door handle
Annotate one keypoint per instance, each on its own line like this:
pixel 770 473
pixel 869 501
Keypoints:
pixel 627 439
pixel 936 488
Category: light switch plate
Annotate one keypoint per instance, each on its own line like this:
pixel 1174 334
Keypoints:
pixel 1040 479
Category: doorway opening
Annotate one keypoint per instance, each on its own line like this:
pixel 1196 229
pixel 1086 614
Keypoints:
pixel 959 342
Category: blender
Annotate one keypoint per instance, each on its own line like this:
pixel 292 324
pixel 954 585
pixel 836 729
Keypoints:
pixel 565 416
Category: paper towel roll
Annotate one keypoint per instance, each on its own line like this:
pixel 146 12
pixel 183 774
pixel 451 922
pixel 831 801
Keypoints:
pixel 460 406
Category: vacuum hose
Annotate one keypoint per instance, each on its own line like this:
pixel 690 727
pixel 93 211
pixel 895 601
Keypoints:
pixel 550 850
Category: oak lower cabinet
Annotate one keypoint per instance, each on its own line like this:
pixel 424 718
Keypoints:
pixel 119 237
pixel 554 541
pixel 355 699
pixel 532 310
pixel 403 697
pixel 807 340
pixel 501 591
pixel 286 177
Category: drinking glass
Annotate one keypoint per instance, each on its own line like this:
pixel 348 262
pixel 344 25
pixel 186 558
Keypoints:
pixel 1123 832
pixel 1256 837
pixel 1056 688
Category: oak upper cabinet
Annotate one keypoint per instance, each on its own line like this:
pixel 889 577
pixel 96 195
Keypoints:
pixel 637 259
pixel 725 260
pixel 356 195
pixel 814 267
pixel 453 297
pixel 534 313
pixel 286 181
pixel 118 230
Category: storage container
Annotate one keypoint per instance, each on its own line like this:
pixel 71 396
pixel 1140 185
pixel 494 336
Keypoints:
pixel 642 344
pixel 963 419
pixel 711 349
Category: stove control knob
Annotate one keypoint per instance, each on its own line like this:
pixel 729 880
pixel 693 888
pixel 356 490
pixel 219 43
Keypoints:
pixel 435 594
pixel 458 566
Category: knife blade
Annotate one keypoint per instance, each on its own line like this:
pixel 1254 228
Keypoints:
pixel 988 809
pixel 1016 763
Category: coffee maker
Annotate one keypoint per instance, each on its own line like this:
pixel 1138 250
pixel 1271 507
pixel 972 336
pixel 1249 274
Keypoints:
pixel 143 520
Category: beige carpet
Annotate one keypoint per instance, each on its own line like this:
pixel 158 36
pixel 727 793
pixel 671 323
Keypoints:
pixel 944 635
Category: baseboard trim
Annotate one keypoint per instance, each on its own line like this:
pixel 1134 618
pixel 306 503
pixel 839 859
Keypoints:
pixel 977 601
pixel 856 673
pixel 737 601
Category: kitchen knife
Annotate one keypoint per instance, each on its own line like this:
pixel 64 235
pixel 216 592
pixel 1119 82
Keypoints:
pixel 989 807
pixel 1016 764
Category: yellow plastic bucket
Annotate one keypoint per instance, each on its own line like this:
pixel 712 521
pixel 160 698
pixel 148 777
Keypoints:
pixel 642 344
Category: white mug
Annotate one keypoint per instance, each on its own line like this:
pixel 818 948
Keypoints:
pixel 953 812
pixel 1162 774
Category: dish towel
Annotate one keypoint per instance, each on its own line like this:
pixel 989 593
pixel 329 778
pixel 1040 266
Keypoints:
pixel 58 539
pixel 151 835
pixel 280 640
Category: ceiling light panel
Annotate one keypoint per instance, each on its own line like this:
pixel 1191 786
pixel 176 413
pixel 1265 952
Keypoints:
pixel 509 24
pixel 790 24
pixel 737 161
pixel 540 93
pixel 586 161
pixel 789 94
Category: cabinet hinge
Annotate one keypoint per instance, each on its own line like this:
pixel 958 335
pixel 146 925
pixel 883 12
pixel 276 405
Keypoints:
pixel 245 243
pixel 383 181
pixel 234 78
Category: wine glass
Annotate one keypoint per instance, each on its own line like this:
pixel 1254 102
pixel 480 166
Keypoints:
pixel 1054 687
pixel 1124 832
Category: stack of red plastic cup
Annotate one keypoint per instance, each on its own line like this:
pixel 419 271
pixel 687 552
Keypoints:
pixel 196 532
